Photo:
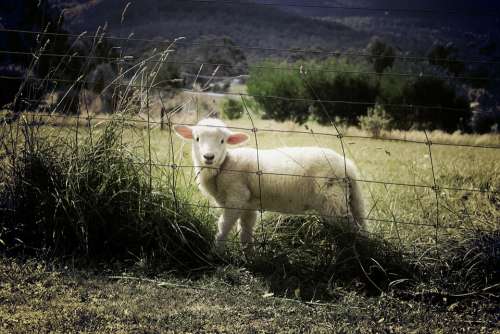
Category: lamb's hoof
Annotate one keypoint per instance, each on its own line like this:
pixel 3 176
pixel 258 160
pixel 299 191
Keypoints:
pixel 220 247
pixel 248 253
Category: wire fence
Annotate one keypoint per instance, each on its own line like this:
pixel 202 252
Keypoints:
pixel 137 75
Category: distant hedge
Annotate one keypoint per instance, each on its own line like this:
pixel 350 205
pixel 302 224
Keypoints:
pixel 290 91
pixel 425 103
pixel 335 81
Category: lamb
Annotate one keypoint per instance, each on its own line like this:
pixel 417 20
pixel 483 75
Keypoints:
pixel 289 180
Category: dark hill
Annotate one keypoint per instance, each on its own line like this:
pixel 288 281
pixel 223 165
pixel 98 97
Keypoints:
pixel 255 25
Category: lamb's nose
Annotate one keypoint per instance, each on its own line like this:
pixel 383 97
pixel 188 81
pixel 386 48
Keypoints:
pixel 209 156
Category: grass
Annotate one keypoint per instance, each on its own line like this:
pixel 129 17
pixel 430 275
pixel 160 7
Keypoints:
pixel 96 196
pixel 41 297
pixel 95 199
pixel 99 233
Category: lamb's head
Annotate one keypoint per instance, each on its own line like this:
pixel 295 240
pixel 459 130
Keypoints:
pixel 210 138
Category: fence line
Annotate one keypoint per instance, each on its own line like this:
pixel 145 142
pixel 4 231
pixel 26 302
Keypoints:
pixel 149 122
pixel 169 41
pixel 259 172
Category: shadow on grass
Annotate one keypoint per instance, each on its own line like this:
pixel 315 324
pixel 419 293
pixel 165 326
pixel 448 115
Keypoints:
pixel 311 259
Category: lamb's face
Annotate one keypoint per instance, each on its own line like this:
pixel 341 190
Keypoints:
pixel 210 138
pixel 209 145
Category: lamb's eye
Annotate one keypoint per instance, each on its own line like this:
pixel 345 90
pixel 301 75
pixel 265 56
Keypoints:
pixel 222 141
pixel 197 138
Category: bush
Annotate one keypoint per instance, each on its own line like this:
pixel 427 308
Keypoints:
pixel 331 80
pixel 232 109
pixel 337 80
pixel 445 57
pixel 96 203
pixel 168 76
pixel 264 83
pixel 375 121
pixel 382 56
pixel 426 103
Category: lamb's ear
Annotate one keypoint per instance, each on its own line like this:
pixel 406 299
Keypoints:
pixel 184 131
pixel 237 138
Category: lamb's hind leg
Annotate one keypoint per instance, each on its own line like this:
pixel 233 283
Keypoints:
pixel 247 223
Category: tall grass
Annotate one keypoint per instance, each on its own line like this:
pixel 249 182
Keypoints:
pixel 95 199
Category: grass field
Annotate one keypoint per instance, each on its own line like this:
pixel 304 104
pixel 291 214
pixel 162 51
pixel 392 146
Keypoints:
pixel 432 253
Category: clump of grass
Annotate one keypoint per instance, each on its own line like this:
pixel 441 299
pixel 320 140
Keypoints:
pixel 96 199
pixel 466 264
pixel 311 258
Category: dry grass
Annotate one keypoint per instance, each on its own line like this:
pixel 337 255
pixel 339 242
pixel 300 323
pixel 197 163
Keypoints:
pixel 39 298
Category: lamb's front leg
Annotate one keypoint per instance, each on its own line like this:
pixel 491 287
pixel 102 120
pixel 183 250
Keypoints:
pixel 225 223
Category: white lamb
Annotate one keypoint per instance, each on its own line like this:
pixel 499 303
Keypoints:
pixel 291 180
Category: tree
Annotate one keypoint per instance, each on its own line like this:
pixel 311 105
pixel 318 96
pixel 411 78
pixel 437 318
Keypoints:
pixel 33 15
pixel 445 56
pixel 382 56
pixel 429 103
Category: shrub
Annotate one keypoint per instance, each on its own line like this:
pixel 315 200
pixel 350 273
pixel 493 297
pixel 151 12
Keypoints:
pixel 445 57
pixel 331 80
pixel 232 109
pixel 381 55
pixel 426 103
pixel 375 121
pixel 264 83
pixel 168 76
pixel 339 81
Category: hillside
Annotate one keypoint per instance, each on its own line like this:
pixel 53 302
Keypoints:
pixel 413 26
pixel 258 26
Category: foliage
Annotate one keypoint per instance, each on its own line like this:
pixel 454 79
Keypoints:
pixel 425 103
pixel 375 121
pixel 347 91
pixel 265 82
pixel 232 109
pixel 382 55
pixel 445 56
pixel 337 82
pixel 168 76
pixel 227 59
